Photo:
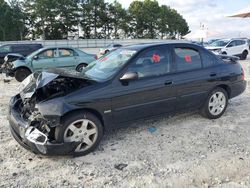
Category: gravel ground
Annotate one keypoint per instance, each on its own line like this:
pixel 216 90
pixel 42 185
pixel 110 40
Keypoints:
pixel 184 151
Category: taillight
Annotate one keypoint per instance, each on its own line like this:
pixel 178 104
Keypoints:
pixel 243 74
pixel 96 57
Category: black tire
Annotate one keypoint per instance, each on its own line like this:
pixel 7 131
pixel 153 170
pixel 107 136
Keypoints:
pixel 244 55
pixel 21 73
pixel 69 119
pixel 224 53
pixel 80 67
pixel 107 51
pixel 205 110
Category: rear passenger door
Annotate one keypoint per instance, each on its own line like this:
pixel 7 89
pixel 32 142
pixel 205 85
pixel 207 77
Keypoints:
pixel 232 48
pixel 240 44
pixel 192 80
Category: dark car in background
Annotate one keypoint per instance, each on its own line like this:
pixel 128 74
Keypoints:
pixel 59 112
pixel 22 49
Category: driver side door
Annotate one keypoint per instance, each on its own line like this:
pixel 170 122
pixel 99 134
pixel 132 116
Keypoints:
pixel 153 93
pixel 45 60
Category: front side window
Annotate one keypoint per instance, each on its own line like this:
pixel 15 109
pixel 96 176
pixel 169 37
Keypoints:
pixel 5 49
pixel 66 53
pixel 232 44
pixel 47 54
pixel 187 59
pixel 152 62
pixel 220 43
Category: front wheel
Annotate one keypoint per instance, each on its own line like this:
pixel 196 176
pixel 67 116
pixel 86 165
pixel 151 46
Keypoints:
pixel 82 127
pixel 215 104
pixel 21 74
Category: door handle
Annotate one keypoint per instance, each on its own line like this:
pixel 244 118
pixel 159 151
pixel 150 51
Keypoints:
pixel 213 74
pixel 168 82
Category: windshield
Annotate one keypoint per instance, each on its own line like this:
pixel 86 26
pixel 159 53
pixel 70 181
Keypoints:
pixel 220 43
pixel 105 67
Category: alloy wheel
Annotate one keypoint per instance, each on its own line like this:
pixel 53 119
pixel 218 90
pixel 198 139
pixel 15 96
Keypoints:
pixel 83 131
pixel 217 103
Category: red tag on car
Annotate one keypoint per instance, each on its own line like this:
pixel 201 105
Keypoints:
pixel 156 58
pixel 188 58
pixel 104 59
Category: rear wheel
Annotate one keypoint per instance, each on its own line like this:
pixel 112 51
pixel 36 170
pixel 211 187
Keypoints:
pixel 215 104
pixel 80 67
pixel 244 55
pixel 107 51
pixel 21 74
pixel 82 127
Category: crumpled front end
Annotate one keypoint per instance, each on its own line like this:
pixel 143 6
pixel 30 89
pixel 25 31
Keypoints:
pixel 35 113
pixel 33 131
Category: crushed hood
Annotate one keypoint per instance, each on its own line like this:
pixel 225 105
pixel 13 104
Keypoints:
pixel 69 79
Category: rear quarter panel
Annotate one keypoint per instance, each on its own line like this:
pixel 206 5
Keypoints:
pixel 231 75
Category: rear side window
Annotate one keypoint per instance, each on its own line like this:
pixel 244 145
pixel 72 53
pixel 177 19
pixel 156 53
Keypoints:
pixel 5 49
pixel 187 59
pixel 66 52
pixel 19 48
pixel 207 60
pixel 152 62
pixel 240 42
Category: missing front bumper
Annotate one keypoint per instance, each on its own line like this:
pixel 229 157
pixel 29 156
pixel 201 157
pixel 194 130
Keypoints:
pixel 46 149
pixel 35 141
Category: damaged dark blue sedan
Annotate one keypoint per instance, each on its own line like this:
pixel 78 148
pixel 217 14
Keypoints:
pixel 62 112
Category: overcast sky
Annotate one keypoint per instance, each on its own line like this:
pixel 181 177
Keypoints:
pixel 212 13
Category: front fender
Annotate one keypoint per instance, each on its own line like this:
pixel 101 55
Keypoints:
pixel 20 63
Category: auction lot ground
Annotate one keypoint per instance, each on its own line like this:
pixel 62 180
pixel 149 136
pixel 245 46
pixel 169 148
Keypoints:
pixel 184 151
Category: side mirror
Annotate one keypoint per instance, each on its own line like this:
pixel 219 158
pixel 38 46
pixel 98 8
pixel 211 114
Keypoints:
pixel 35 57
pixel 230 45
pixel 129 76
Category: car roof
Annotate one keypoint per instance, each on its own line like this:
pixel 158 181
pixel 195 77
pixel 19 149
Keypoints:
pixel 146 45
pixel 52 47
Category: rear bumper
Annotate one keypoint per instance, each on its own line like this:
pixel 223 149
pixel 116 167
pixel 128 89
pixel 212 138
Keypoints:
pixel 238 88
pixel 18 128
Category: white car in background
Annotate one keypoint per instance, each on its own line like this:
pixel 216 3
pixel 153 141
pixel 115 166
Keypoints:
pixel 109 48
pixel 231 47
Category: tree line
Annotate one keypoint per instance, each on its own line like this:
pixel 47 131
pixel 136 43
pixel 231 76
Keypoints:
pixel 54 19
